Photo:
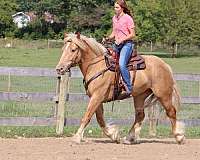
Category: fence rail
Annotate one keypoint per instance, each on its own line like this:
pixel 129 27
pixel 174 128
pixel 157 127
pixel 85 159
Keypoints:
pixel 41 121
pixel 72 97
pixel 75 73
pixel 35 72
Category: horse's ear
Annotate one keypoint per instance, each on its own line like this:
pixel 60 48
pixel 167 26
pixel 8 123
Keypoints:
pixel 65 35
pixel 78 35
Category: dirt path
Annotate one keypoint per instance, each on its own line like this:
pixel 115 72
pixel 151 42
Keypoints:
pixel 97 149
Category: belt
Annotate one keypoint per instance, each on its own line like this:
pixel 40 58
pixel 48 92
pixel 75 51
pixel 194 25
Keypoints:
pixel 127 41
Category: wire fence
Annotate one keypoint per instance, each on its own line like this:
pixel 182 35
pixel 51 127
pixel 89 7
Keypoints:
pixel 123 110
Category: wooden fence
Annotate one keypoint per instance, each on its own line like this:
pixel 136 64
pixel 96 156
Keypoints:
pixel 75 73
pixel 59 119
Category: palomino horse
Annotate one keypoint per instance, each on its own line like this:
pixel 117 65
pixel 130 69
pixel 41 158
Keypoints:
pixel 156 79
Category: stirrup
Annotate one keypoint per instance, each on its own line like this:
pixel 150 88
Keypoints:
pixel 124 95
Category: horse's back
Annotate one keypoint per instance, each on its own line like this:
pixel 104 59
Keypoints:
pixel 159 74
pixel 157 65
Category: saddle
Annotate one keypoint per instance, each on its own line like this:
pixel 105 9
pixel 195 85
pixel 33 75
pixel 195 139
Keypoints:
pixel 136 62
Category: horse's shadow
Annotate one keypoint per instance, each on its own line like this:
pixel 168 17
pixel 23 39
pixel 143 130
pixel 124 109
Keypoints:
pixel 160 141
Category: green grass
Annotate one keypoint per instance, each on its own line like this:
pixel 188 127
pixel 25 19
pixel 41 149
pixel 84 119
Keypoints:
pixel 28 84
pixel 48 84
pixel 18 57
pixel 184 64
pixel 26 109
pixel 38 84
pixel 29 132
pixel 121 110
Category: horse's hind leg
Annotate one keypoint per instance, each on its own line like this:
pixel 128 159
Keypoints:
pixel 111 131
pixel 177 127
pixel 134 132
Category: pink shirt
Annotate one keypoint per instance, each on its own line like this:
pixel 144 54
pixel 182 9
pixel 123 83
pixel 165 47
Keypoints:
pixel 122 26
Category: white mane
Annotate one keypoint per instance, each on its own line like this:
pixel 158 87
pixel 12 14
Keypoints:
pixel 98 48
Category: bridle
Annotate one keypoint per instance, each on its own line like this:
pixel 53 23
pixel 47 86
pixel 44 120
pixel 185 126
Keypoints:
pixel 93 61
pixel 74 63
pixel 73 60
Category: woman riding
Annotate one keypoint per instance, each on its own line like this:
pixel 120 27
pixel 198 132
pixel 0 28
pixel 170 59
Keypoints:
pixel 123 32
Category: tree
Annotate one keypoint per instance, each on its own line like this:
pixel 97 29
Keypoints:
pixel 181 21
pixel 148 17
pixel 8 7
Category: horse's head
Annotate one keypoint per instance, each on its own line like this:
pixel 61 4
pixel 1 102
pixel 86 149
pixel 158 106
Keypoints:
pixel 71 53
pixel 78 49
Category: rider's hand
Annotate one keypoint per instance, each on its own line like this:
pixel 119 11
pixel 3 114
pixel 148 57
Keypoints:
pixel 104 40
pixel 118 42
pixel 107 38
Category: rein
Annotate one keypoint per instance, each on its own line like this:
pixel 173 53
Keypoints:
pixel 86 83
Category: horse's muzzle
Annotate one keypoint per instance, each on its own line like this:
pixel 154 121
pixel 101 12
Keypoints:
pixel 61 69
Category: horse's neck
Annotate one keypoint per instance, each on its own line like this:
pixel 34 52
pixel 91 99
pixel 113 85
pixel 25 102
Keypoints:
pixel 90 63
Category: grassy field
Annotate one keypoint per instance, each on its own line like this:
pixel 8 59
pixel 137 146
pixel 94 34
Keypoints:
pixel 29 57
pixel 48 58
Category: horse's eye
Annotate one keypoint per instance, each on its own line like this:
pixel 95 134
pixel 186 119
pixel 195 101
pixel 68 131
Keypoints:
pixel 73 50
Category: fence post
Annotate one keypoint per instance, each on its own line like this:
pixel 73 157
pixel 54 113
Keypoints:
pixel 56 98
pixel 61 103
pixel 151 46
pixel 153 116
pixel 9 82
pixel 48 43
pixel 175 50
pixel 199 88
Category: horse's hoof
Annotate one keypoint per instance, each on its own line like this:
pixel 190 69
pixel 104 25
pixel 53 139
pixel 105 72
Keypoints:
pixel 180 139
pixel 128 141
pixel 113 132
pixel 77 139
pixel 125 141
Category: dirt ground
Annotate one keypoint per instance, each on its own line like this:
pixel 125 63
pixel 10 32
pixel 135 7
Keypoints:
pixel 97 149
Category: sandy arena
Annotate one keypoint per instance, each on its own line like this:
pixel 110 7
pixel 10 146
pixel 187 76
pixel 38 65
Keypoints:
pixel 97 149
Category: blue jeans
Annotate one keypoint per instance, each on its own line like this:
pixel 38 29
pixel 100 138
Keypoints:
pixel 125 51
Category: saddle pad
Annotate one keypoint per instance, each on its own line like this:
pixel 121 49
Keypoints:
pixel 136 61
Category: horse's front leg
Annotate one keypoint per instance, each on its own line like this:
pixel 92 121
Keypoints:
pixel 94 103
pixel 111 131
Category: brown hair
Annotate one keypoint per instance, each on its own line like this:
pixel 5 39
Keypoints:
pixel 123 4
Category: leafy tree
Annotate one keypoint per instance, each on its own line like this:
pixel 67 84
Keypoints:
pixel 7 8
pixel 181 21
pixel 171 21
pixel 148 18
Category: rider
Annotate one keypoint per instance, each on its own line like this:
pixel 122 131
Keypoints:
pixel 123 32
